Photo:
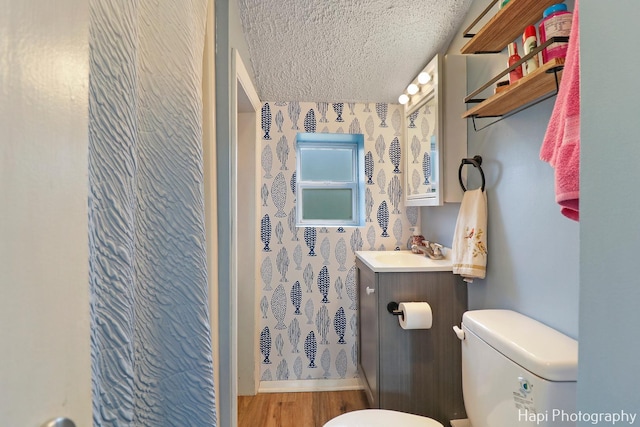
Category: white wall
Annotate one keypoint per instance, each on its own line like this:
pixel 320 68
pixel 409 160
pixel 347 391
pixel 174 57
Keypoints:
pixel 247 236
pixel 533 256
pixel 44 302
pixel 225 400
pixel 609 207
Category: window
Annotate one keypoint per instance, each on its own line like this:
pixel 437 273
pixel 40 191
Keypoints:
pixel 330 187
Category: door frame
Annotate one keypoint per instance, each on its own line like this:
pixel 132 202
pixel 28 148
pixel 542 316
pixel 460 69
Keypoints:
pixel 246 107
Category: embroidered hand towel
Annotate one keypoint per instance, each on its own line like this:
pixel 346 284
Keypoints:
pixel 469 249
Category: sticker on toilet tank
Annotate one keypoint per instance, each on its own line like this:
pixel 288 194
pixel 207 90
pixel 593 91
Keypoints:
pixel 523 397
pixel 524 403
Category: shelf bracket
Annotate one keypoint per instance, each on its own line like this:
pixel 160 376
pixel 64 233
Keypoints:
pixel 470 98
pixel 524 107
pixel 467 32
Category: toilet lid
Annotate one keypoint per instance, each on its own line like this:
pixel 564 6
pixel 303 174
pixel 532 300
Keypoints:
pixel 381 418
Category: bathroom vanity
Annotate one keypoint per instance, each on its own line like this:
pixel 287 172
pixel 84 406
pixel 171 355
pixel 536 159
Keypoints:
pixel 416 371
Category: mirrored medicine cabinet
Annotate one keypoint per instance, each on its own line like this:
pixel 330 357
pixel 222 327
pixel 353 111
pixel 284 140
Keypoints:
pixel 435 136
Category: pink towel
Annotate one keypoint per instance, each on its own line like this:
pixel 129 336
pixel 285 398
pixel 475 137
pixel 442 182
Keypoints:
pixel 561 144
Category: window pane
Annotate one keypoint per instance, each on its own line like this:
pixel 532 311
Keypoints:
pixel 318 164
pixel 327 204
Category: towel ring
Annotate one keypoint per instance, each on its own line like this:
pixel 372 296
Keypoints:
pixel 476 161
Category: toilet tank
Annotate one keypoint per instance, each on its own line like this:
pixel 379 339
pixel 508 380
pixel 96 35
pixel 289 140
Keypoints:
pixel 517 371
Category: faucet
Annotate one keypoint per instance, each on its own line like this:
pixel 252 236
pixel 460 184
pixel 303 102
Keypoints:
pixel 432 250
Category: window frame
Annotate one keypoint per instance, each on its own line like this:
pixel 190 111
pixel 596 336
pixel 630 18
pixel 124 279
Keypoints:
pixel 330 141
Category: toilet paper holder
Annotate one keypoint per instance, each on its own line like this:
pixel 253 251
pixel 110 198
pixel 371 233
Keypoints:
pixel 392 308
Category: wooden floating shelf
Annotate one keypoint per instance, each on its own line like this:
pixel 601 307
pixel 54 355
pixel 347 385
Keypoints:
pixel 506 25
pixel 526 90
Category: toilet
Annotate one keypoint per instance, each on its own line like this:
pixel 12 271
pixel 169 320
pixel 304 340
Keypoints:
pixel 516 372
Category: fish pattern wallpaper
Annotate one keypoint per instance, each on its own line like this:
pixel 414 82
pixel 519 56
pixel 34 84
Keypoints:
pixel 308 294
pixel 422 151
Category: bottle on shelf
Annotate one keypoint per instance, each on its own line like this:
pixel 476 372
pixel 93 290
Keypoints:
pixel 556 22
pixel 515 74
pixel 529 43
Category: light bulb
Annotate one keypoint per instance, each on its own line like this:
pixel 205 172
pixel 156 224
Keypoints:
pixel 424 78
pixel 403 99
pixel 412 89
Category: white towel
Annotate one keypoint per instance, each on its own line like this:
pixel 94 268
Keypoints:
pixel 469 249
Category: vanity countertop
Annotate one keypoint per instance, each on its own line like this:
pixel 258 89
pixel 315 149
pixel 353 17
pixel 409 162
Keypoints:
pixel 404 261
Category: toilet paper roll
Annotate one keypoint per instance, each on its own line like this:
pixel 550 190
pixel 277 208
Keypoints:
pixel 417 315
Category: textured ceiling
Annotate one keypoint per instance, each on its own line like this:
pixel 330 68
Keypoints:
pixel 344 50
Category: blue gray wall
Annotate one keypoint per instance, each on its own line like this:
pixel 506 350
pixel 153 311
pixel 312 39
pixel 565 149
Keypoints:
pixel 533 250
pixel 609 206
pixel 571 276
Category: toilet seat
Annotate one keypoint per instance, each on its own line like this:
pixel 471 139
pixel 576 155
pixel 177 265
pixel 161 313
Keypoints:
pixel 381 418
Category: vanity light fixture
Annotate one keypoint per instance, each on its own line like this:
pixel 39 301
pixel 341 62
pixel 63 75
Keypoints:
pixel 424 78
pixel 412 89
pixel 422 85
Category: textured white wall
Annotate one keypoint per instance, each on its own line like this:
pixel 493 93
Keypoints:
pixel 151 349
pixel 44 303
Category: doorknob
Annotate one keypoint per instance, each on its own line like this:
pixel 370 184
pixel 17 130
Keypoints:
pixel 370 290
pixel 59 422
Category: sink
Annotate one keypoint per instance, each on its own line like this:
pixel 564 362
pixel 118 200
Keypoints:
pixel 395 258
pixel 404 261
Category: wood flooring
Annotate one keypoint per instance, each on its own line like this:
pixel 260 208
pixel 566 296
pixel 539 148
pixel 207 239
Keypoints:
pixel 303 409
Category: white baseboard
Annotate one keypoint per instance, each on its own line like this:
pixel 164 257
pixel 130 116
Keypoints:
pixel 460 423
pixel 309 385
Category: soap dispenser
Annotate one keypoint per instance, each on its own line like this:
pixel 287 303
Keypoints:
pixel 416 239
